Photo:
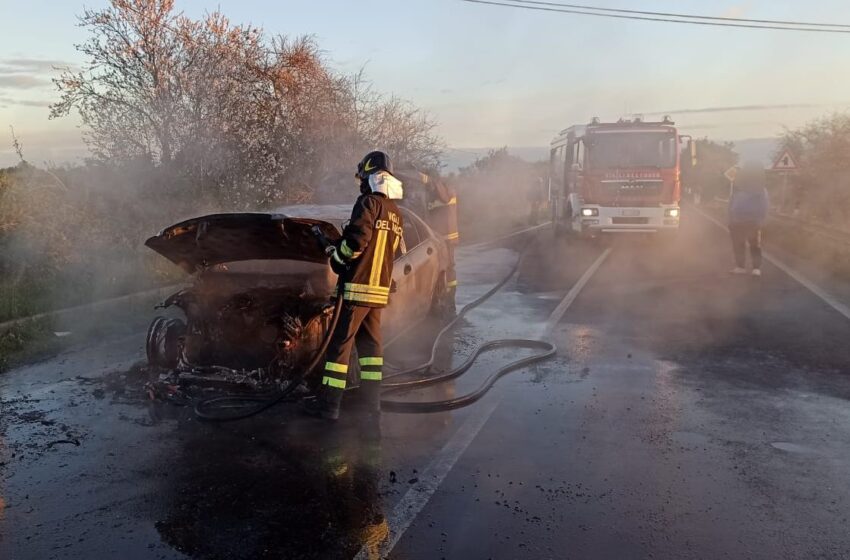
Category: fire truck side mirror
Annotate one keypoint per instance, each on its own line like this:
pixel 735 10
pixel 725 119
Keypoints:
pixel 692 149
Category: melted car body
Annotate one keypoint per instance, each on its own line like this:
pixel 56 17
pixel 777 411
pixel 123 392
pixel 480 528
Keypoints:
pixel 259 302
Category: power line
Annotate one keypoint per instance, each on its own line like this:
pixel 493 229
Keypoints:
pixel 687 16
pixel 507 4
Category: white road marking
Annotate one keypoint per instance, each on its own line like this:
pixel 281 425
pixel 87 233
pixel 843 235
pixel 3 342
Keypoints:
pixel 418 496
pixel 507 236
pixel 571 296
pixel 828 298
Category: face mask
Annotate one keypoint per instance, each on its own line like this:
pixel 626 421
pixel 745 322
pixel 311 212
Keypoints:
pixel 384 183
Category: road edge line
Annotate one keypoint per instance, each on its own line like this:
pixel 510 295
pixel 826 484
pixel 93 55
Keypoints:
pixel 417 497
pixel 489 242
pixel 825 296
pixel 562 307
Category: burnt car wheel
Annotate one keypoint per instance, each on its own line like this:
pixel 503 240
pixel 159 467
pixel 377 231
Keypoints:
pixel 163 341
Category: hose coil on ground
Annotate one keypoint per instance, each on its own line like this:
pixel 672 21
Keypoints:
pixel 215 409
pixel 547 350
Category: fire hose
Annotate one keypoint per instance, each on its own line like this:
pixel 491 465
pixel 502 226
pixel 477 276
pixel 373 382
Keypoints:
pixel 248 405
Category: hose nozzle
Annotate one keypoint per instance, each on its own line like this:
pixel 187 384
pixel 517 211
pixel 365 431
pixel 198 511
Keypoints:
pixel 323 240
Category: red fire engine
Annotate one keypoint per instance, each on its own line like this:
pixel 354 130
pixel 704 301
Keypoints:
pixel 616 177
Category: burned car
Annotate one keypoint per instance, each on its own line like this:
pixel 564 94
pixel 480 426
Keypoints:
pixel 259 301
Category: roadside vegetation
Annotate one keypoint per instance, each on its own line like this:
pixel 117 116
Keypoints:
pixel 706 179
pixel 496 194
pixel 820 190
pixel 27 341
pixel 182 117
pixel 815 199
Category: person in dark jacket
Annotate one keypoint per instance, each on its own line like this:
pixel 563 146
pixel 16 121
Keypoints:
pixel 435 200
pixel 442 217
pixel 748 207
pixel 363 259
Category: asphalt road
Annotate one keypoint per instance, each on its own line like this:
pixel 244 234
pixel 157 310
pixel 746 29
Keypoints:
pixel 689 414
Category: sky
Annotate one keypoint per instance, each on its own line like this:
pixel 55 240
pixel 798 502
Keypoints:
pixel 492 76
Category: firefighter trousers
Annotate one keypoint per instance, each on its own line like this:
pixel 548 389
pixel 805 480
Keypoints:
pixel 451 272
pixel 358 325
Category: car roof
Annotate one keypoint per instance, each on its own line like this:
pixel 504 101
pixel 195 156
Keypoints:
pixel 336 213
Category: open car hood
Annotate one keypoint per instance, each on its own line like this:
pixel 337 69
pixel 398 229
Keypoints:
pixel 219 238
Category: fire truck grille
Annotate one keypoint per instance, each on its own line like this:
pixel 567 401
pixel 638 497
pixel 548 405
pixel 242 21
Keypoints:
pixel 629 221
pixel 635 188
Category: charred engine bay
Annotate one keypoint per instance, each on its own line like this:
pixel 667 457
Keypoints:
pixel 236 335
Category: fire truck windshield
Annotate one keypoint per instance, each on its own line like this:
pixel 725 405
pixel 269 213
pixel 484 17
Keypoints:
pixel 632 149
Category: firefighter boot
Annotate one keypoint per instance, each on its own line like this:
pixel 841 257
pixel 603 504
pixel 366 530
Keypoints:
pixel 451 295
pixel 325 404
pixel 366 400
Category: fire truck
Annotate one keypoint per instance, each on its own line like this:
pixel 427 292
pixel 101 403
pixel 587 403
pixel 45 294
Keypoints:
pixel 617 177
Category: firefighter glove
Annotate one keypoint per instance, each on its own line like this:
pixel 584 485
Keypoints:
pixel 338 264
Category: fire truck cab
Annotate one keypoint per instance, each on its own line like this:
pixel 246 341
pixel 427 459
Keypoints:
pixel 621 177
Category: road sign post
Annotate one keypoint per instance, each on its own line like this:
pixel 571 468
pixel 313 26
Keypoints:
pixel 730 175
pixel 785 163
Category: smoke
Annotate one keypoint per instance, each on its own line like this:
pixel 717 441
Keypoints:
pixel 74 235
pixel 499 192
pixel 240 120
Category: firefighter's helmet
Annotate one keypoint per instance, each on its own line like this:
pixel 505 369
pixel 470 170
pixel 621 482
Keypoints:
pixel 374 162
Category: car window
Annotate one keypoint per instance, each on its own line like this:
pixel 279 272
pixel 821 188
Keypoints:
pixel 411 233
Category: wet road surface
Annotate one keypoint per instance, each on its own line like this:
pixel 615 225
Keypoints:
pixel 690 414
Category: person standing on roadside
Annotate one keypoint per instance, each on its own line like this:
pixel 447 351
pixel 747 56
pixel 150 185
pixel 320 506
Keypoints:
pixel 748 207
pixel 442 217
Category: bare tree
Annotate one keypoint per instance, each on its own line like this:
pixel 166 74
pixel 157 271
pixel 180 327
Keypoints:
pixel 246 119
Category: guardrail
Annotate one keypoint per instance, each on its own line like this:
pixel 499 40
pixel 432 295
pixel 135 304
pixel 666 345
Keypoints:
pixel 126 302
pixel 129 301
pixel 833 234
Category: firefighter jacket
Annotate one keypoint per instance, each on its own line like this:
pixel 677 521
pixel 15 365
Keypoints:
pixel 442 210
pixel 367 248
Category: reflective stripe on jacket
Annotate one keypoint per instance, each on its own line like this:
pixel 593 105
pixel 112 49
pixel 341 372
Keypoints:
pixel 368 245
pixel 442 210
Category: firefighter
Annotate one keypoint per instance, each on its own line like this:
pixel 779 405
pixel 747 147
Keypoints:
pixel 442 217
pixel 363 258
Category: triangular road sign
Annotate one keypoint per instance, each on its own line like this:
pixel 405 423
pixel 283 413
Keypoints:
pixel 785 162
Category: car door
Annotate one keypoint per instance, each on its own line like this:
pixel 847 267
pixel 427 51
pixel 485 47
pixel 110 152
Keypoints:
pixel 414 276
pixel 425 267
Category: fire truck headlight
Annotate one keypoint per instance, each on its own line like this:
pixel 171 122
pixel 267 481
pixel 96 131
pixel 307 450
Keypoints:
pixel 671 213
pixel 588 212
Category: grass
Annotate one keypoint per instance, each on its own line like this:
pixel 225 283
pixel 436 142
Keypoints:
pixel 825 254
pixel 37 293
pixel 22 298
pixel 27 342
pixel 35 339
